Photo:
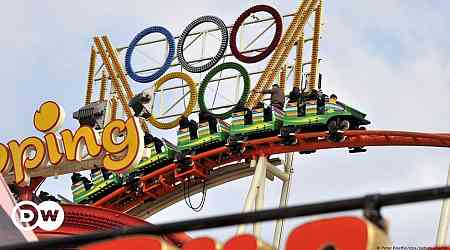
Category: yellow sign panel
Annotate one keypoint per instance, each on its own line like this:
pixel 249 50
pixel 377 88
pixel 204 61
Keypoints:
pixel 120 144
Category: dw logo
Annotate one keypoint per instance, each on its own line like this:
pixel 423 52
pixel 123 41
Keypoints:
pixel 27 215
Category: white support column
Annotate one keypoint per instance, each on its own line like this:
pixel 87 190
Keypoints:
pixel 282 175
pixel 260 196
pixel 250 200
pixel 441 238
pixel 284 198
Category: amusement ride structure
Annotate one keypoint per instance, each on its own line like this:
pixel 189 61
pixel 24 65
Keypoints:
pixel 231 140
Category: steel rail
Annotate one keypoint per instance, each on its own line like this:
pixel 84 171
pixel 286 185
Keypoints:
pixel 217 177
pixel 355 138
pixel 306 142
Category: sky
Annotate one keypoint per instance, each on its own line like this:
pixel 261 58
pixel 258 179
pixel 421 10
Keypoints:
pixel 387 58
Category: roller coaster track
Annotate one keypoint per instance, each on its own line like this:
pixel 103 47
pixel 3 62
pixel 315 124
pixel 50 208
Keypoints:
pixel 216 178
pixel 163 187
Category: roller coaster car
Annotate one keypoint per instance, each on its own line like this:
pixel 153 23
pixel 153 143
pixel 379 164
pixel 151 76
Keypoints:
pixel 206 137
pixel 102 182
pixel 322 115
pixel 209 134
pixel 154 157
pixel 262 122
pixel 312 116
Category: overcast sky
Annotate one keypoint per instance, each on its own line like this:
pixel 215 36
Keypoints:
pixel 387 58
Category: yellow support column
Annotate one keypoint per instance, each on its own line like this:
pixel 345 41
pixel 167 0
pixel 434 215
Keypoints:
pixel 299 61
pixel 113 108
pixel 283 78
pixel 114 79
pixel 118 67
pixel 290 43
pixel 103 87
pixel 312 84
pixel 90 80
pixel 121 74
pixel 254 96
pixel 282 50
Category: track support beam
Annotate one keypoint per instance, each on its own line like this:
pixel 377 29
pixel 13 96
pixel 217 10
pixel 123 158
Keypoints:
pixel 441 238
pixel 288 170
pixel 255 196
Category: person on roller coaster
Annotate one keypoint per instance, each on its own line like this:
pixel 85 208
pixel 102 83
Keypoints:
pixel 44 196
pixel 193 127
pixel 248 119
pixel 76 177
pixel 184 122
pixel 321 100
pixel 141 103
pixel 208 117
pixel 276 96
pixel 191 124
pixel 333 99
pixel 294 95
pixel 267 111
pixel 149 138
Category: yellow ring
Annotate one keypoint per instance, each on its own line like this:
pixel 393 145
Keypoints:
pixel 189 108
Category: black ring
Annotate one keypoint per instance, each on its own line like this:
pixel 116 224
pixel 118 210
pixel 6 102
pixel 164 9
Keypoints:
pixel 223 45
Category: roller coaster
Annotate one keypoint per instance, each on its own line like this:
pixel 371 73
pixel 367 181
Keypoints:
pixel 221 147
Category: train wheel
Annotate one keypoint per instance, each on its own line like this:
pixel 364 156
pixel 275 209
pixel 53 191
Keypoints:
pixel 242 139
pixel 332 125
pixel 231 141
pixel 344 125
pixel 284 131
pixel 291 140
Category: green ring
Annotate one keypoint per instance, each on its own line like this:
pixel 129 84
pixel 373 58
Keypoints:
pixel 210 75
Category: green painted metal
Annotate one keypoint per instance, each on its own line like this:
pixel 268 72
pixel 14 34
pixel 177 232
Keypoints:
pixel 290 118
pixel 81 195
pixel 152 160
pixel 258 125
pixel 205 137
pixel 311 118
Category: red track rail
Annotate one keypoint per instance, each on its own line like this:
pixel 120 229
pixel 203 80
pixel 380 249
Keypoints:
pixel 79 219
pixel 163 180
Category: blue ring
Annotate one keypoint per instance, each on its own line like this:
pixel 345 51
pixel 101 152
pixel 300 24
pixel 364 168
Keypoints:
pixel 167 62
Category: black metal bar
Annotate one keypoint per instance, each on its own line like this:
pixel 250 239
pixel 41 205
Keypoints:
pixel 242 218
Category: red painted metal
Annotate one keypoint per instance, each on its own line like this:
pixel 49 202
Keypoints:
pixel 81 219
pixel 26 192
pixel 109 197
pixel 268 146
pixel 196 170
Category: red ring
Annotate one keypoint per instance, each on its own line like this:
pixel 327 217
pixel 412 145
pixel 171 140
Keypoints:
pixel 276 39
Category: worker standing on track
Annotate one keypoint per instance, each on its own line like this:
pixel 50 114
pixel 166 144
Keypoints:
pixel 276 96
pixel 141 103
